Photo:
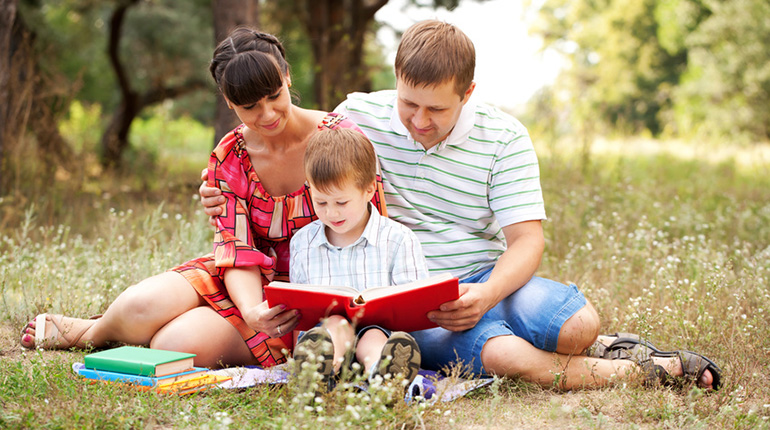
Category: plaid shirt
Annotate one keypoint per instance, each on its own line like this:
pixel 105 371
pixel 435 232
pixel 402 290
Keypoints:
pixel 387 253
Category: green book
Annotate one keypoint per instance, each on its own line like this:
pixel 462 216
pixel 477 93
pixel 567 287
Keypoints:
pixel 139 361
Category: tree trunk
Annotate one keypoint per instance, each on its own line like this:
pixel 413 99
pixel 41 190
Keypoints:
pixel 115 138
pixel 336 29
pixel 7 19
pixel 229 14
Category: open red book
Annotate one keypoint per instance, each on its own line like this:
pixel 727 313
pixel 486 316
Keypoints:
pixel 396 307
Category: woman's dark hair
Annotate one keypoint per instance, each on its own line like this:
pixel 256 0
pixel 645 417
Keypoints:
pixel 249 65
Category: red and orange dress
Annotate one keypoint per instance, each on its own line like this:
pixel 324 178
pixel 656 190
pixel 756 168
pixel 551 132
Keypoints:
pixel 254 230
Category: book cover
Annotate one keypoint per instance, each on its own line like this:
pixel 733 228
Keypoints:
pixel 192 385
pixel 145 381
pixel 397 307
pixel 140 361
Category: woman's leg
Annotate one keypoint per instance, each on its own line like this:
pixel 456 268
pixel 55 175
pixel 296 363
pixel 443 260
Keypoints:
pixel 134 317
pixel 202 331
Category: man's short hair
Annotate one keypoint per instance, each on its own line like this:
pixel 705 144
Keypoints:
pixel 334 157
pixel 433 52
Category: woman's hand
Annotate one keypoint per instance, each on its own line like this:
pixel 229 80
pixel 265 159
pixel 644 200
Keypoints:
pixel 211 198
pixel 274 322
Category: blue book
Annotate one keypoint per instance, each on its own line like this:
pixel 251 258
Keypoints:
pixel 144 381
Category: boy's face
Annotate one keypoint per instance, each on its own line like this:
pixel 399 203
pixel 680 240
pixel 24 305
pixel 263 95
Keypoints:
pixel 344 211
pixel 430 113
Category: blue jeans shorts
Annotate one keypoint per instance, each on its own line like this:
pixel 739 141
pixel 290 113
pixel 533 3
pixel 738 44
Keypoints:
pixel 535 313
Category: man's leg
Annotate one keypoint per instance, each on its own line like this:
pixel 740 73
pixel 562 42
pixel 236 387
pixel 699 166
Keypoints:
pixel 579 331
pixel 513 356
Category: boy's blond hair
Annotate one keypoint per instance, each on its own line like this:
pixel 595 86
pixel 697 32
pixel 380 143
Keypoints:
pixel 433 52
pixel 334 157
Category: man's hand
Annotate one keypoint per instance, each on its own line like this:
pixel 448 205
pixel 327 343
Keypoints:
pixel 274 322
pixel 465 312
pixel 211 198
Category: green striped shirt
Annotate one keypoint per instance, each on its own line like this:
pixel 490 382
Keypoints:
pixel 456 195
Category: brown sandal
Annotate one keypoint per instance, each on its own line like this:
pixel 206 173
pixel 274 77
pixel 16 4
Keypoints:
pixel 60 337
pixel 693 365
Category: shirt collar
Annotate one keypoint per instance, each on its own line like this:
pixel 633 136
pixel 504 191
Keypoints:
pixel 369 234
pixel 457 136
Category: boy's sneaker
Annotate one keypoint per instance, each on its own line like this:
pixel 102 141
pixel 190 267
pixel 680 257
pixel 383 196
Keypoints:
pixel 400 355
pixel 316 348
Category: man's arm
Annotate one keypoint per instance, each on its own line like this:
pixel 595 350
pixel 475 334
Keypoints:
pixel 513 269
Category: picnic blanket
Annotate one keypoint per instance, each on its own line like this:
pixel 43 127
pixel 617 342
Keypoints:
pixel 428 386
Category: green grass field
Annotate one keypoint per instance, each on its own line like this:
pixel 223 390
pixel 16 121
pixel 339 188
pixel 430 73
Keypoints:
pixel 674 247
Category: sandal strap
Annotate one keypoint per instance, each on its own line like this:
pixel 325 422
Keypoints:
pixel 653 374
pixel 694 365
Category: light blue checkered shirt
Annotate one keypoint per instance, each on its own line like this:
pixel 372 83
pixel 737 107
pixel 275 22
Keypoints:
pixel 387 253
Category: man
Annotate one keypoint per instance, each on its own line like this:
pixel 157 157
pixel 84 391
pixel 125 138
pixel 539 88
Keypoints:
pixel 465 178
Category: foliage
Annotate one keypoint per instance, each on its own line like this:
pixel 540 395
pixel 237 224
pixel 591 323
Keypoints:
pixel 726 90
pixel 684 261
pixel 665 67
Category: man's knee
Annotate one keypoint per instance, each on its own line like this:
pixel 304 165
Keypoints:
pixel 579 331
pixel 500 355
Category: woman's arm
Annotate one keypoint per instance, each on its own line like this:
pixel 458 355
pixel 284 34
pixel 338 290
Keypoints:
pixel 244 285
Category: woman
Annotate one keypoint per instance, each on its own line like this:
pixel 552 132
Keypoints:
pixel 212 306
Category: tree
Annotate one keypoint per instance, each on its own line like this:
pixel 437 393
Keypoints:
pixel 157 55
pixel 725 92
pixel 229 14
pixel 337 30
pixel 34 96
pixel 7 20
pixel 620 74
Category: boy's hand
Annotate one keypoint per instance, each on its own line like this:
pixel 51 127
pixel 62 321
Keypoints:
pixel 211 198
pixel 274 322
pixel 465 312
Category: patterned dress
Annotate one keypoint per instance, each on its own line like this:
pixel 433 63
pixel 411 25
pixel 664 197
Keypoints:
pixel 254 230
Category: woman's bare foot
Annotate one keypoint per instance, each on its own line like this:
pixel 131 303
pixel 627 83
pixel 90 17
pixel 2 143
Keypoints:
pixel 59 332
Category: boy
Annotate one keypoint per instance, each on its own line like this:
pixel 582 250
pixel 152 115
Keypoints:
pixel 352 244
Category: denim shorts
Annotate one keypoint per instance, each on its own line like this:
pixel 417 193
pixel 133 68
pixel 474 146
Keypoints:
pixel 535 313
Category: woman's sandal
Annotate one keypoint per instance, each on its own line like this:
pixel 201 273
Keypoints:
pixel 624 347
pixel 59 338
pixel 693 365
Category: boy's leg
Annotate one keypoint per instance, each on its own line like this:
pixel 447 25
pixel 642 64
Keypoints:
pixel 342 336
pixel 369 347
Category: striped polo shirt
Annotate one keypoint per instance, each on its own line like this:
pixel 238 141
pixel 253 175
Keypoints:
pixel 455 196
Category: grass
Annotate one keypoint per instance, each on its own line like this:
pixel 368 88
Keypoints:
pixel 677 248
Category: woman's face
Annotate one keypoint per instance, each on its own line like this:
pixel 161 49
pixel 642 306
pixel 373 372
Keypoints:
pixel 268 116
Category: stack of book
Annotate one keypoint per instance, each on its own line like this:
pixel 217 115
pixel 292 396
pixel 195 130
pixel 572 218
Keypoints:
pixel 149 369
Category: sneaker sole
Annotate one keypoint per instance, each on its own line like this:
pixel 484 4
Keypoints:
pixel 406 356
pixel 318 341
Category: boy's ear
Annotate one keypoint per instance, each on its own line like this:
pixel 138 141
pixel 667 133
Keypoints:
pixel 371 189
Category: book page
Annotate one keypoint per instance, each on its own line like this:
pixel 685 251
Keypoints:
pixel 338 289
pixel 376 292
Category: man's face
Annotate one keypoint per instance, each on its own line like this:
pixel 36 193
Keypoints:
pixel 430 113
